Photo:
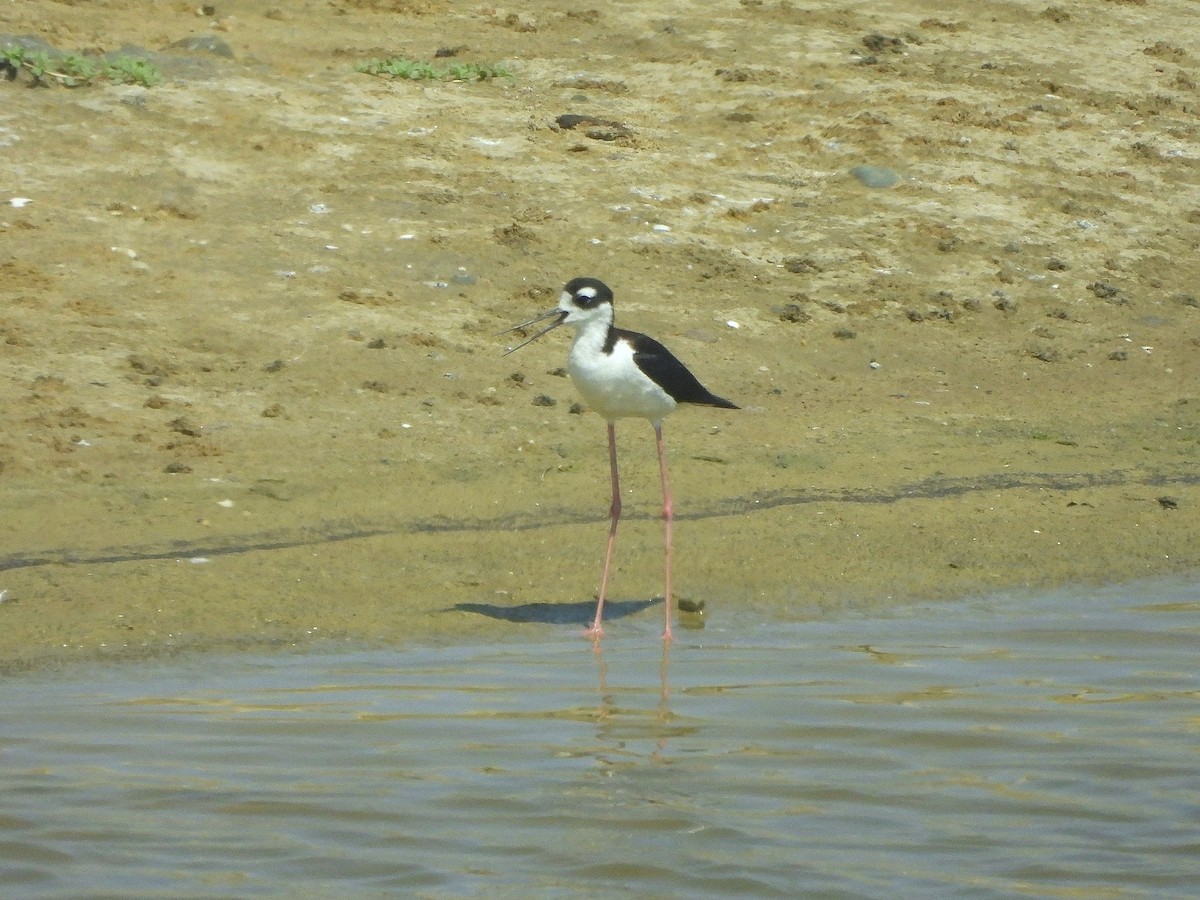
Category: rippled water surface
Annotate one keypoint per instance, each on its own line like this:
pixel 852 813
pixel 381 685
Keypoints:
pixel 998 747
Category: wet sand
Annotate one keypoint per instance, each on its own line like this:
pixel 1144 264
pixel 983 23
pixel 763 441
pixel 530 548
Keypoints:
pixel 253 386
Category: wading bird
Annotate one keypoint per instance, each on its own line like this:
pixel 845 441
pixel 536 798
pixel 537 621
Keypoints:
pixel 622 374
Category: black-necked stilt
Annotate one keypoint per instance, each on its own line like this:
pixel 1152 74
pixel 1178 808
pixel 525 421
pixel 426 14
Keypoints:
pixel 620 374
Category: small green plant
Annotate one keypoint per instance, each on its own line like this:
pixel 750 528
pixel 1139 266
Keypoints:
pixel 76 70
pixel 73 70
pixel 403 67
pixel 132 70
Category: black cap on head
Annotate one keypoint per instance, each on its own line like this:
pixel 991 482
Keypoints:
pixel 588 292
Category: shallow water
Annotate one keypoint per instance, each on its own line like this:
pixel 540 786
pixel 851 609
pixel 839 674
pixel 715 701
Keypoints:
pixel 996 747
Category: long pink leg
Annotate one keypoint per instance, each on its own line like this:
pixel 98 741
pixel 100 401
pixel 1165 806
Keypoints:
pixel 595 631
pixel 668 519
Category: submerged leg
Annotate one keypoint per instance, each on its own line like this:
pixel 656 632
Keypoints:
pixel 595 631
pixel 668 519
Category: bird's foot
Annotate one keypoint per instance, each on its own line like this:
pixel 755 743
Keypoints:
pixel 593 631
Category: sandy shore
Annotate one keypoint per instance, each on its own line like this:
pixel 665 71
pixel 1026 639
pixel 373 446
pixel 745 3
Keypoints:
pixel 944 257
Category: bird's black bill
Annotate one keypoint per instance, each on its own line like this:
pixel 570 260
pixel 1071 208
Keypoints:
pixel 554 312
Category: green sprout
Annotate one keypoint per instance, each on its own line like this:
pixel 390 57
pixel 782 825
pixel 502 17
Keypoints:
pixel 132 70
pixel 73 70
pixel 76 70
pixel 415 70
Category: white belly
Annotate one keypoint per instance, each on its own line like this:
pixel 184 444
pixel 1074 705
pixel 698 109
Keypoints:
pixel 613 385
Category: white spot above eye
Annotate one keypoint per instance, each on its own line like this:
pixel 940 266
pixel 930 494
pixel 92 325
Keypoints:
pixel 589 292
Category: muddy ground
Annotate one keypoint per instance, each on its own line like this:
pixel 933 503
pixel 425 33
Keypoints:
pixel 943 254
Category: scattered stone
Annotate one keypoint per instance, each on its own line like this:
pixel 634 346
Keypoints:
pixel 594 128
pixel 1168 503
pixel 1119 355
pixel 204 43
pixel 881 43
pixel 875 176
pixel 184 425
pixel 514 235
pixel 794 312
pixel 800 264
pixel 177 468
pixel 276 366
pixel 1104 290
pixel 1003 302
pixel 544 400
pixel 1163 50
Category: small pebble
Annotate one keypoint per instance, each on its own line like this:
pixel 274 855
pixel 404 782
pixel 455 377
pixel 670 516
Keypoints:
pixel 875 176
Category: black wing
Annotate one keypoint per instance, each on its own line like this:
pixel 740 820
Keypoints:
pixel 671 375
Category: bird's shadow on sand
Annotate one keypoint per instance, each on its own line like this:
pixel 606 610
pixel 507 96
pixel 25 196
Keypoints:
pixel 556 613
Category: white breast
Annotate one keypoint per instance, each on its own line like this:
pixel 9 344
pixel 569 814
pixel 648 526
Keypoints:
pixel 611 383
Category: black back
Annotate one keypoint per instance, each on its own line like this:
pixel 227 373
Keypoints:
pixel 669 373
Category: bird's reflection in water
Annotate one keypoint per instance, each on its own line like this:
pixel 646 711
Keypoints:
pixel 610 728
